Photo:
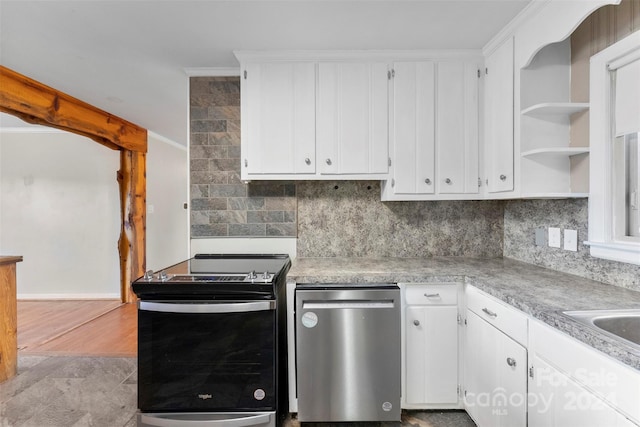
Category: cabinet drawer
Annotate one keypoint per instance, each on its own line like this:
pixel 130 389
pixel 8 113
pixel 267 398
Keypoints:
pixel 436 294
pixel 507 319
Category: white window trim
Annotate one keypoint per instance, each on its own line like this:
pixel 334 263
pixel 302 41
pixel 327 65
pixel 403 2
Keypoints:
pixel 602 240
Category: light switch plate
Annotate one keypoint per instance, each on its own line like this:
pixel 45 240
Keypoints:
pixel 571 240
pixel 541 237
pixel 554 237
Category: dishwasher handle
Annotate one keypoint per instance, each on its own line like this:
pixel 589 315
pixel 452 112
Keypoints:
pixel 347 304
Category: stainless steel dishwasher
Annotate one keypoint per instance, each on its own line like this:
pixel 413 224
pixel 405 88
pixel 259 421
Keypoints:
pixel 348 352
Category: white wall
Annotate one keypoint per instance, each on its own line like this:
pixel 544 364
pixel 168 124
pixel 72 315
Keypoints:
pixel 60 211
pixel 167 191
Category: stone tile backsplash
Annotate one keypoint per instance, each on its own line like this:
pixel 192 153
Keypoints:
pixel 222 205
pixel 522 217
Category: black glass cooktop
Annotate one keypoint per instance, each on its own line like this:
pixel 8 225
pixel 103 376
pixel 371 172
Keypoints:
pixel 216 276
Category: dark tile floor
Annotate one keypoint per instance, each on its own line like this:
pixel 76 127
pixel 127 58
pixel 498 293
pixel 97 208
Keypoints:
pixel 101 392
pixel 70 392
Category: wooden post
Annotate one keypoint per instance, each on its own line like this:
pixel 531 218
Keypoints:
pixel 132 182
pixel 8 317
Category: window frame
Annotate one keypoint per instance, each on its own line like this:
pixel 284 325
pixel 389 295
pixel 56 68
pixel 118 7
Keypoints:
pixel 603 241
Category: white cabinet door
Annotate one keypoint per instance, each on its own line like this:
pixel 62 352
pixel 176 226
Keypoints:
pixel 413 117
pixel 278 119
pixel 431 355
pixel 499 118
pixel 495 376
pixel 457 127
pixel 555 400
pixel 575 385
pixel 352 119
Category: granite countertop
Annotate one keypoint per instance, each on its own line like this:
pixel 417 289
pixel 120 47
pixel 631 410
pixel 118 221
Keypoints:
pixel 537 291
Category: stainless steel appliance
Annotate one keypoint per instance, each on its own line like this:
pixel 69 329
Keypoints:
pixel 348 352
pixel 212 342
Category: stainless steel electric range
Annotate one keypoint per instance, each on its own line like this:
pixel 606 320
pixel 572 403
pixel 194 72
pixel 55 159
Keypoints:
pixel 212 342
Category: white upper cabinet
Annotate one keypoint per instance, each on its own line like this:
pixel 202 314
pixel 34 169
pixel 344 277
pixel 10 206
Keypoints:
pixel 413 117
pixel 310 116
pixel 278 119
pixel 434 130
pixel 457 127
pixel 352 119
pixel 498 111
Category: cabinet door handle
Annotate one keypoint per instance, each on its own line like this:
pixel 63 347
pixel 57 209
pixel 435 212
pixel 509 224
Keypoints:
pixel 511 362
pixel 432 295
pixel 503 177
pixel 448 180
pixel 328 162
pixel 416 322
pixel 246 163
pixel 307 161
pixel 427 181
pixel 490 313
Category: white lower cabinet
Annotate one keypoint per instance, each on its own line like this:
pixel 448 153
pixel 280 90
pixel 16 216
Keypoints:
pixel 571 384
pixel 522 372
pixel 557 400
pixel 495 376
pixel 431 346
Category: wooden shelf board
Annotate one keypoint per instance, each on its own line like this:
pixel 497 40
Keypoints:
pixel 554 108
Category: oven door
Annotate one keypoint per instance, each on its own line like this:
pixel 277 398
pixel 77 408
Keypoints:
pixel 206 356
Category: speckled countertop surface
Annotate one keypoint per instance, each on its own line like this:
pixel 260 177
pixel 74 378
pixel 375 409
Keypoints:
pixel 537 291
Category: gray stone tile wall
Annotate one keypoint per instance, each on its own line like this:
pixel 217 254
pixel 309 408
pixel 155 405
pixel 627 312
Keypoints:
pixel 347 218
pixel 522 217
pixel 222 205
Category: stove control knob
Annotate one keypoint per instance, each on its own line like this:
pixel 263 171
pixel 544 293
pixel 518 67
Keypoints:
pixel 148 275
pixel 163 275
pixel 253 275
pixel 265 276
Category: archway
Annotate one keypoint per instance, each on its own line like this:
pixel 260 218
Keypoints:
pixel 36 103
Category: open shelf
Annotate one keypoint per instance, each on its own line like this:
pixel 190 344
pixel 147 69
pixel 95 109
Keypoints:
pixel 556 151
pixel 555 108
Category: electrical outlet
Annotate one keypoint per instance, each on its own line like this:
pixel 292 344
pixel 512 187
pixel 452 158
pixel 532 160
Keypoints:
pixel 541 237
pixel 571 240
pixel 554 237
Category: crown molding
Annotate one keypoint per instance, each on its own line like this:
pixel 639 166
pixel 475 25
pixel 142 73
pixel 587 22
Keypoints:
pixel 509 30
pixel 212 71
pixel 165 140
pixel 350 55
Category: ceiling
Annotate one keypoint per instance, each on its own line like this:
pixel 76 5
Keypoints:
pixel 129 57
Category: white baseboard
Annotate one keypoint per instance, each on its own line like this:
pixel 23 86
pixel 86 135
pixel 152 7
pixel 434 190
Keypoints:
pixel 67 296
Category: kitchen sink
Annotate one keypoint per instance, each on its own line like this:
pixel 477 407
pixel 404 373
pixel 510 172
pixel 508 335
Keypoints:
pixel 622 324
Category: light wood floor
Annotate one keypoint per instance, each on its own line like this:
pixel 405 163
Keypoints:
pixel 77 327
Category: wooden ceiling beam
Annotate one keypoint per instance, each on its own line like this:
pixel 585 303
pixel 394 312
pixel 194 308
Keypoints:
pixel 40 104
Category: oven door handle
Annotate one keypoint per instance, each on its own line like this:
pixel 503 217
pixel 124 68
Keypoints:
pixel 235 307
pixel 167 421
